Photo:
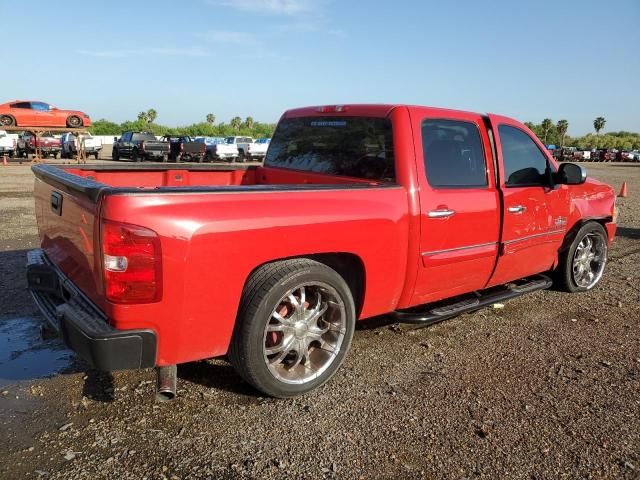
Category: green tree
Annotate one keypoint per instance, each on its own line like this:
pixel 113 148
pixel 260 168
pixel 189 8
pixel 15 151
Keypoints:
pixel 547 125
pixel 562 127
pixel 236 123
pixel 211 118
pixel 598 124
pixel 249 122
pixel 151 115
pixel 142 116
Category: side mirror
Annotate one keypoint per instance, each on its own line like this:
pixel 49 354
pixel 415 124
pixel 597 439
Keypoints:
pixel 571 174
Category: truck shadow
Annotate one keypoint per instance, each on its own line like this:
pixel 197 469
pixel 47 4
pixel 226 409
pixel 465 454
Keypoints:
pixel 216 374
pixel 27 355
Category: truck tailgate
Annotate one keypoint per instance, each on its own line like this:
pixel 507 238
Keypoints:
pixel 67 228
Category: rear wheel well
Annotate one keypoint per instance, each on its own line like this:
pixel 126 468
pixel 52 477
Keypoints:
pixel 348 265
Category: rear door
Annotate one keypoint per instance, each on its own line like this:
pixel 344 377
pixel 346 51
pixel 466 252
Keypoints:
pixel 535 212
pixel 460 205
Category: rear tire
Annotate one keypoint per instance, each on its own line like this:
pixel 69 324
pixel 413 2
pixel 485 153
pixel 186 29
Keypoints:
pixel 115 155
pixel 294 327
pixel 581 266
pixel 7 121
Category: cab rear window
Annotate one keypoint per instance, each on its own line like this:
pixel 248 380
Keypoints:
pixel 360 147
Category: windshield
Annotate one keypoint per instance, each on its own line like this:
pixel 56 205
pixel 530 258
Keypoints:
pixel 359 147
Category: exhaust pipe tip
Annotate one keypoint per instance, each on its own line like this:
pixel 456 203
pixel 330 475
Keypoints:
pixel 166 386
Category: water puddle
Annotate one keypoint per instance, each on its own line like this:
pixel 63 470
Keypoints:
pixel 24 355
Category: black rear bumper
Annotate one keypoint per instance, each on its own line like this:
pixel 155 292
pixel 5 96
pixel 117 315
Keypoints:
pixel 82 325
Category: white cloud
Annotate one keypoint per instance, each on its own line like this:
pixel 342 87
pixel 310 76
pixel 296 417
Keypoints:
pixel 139 52
pixel 275 7
pixel 233 38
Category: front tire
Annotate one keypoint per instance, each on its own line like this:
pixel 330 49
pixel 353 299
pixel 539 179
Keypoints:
pixel 115 155
pixel 74 121
pixel 294 327
pixel 581 266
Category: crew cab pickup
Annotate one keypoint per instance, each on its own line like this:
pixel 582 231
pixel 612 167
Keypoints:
pixel 218 149
pixel 358 211
pixel 139 146
pixel 242 144
pixel 45 144
pixel 71 141
pixel 258 149
pixel 185 148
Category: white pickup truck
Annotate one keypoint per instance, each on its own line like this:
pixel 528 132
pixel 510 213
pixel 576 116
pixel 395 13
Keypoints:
pixel 70 141
pixel 242 143
pixel 7 144
pixel 258 149
pixel 218 149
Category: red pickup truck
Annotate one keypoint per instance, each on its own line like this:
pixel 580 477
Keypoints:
pixel 45 145
pixel 358 211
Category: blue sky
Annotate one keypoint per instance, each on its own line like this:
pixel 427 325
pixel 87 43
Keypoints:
pixel 563 59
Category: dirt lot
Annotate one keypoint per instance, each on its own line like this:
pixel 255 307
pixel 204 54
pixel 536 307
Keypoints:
pixel 547 387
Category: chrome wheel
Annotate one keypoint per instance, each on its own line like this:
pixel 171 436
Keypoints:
pixel 589 260
pixel 304 333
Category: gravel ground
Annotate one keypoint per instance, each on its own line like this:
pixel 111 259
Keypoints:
pixel 547 387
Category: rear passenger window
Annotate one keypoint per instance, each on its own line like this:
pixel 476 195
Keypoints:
pixel 524 163
pixel 453 155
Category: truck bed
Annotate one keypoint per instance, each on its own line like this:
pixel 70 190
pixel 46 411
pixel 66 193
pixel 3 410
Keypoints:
pixel 92 181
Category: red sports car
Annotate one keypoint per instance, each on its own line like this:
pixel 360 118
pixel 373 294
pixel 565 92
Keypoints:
pixel 26 113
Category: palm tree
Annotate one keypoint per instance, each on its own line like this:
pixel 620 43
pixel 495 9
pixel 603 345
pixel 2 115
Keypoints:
pixel 142 116
pixel 547 124
pixel 249 122
pixel 598 124
pixel 151 115
pixel 236 123
pixel 562 127
pixel 211 118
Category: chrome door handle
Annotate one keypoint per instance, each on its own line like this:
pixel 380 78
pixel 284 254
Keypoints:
pixel 517 209
pixel 441 213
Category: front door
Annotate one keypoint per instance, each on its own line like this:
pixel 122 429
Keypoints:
pixel 535 212
pixel 460 206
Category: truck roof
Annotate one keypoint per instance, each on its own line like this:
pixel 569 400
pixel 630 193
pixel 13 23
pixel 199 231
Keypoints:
pixel 369 110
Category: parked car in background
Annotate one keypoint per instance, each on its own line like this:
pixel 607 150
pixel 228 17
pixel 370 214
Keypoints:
pixel 242 143
pixel 7 144
pixel 258 149
pixel 71 141
pixel 28 113
pixel 605 155
pixel 636 155
pixel 624 156
pixel 46 144
pixel 139 146
pixel 184 148
pixel 381 210
pixel 218 149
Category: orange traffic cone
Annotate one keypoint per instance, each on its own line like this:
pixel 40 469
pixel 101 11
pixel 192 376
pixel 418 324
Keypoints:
pixel 623 190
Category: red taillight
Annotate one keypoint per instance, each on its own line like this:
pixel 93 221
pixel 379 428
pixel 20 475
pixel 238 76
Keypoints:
pixel 332 109
pixel 142 145
pixel 132 263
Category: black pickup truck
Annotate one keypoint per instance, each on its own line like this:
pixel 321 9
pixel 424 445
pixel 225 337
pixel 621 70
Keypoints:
pixel 184 148
pixel 139 146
